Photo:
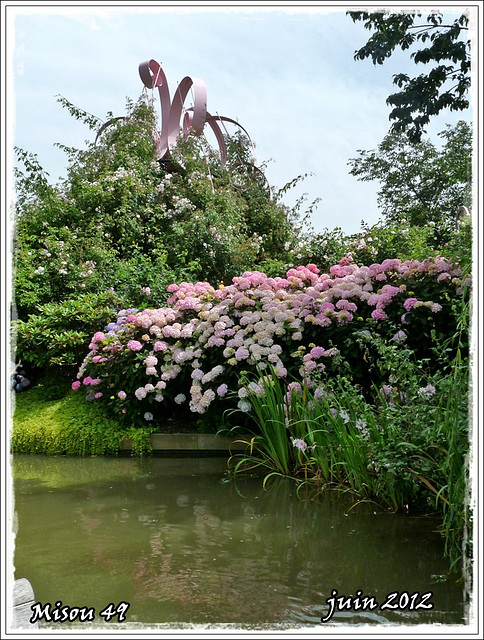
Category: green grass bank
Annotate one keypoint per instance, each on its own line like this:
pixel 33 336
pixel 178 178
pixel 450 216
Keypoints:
pixel 58 422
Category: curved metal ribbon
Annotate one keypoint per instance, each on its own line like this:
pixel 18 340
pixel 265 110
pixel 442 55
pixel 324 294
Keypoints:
pixel 194 118
pixel 106 125
pixel 152 76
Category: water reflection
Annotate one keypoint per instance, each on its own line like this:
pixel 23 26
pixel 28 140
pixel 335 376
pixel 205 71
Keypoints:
pixel 181 544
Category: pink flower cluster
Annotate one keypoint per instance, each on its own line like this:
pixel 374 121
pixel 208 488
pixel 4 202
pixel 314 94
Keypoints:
pixel 254 322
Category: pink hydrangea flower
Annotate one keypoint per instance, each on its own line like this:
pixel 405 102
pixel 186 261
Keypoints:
pixel 252 321
pixel 134 345
pixel 222 390
pixel 443 276
pixel 410 303
pixel 378 314
pixel 317 352
pixel 75 385
pixel 241 354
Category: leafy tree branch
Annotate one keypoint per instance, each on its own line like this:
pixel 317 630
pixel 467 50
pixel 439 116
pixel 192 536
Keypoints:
pixel 427 94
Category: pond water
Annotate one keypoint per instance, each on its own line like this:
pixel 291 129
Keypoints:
pixel 180 543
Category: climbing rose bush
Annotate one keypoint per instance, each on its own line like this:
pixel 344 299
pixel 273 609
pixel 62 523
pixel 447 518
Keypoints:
pixel 190 355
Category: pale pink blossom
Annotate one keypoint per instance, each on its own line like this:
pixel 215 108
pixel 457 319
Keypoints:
pixel 134 345
pixel 222 390
pixel 140 393
pixel 299 444
pixel 410 303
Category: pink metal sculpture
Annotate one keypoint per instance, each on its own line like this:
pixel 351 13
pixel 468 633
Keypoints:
pixel 194 118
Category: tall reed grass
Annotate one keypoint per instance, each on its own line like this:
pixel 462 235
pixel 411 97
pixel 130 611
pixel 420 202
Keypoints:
pixel 405 451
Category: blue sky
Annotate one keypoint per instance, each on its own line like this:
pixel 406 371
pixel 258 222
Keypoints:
pixel 285 72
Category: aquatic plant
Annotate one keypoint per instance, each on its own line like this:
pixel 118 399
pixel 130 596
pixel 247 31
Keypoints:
pixel 406 450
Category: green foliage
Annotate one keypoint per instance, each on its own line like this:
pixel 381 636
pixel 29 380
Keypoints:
pixel 386 241
pixel 57 334
pixel 270 446
pixel 419 183
pixel 229 221
pixel 32 184
pixel 123 220
pixel 459 248
pixel 93 122
pixel 448 461
pixel 382 241
pixel 67 426
pixel 324 249
pixel 142 280
pixel 406 449
pixel 122 227
pixel 447 83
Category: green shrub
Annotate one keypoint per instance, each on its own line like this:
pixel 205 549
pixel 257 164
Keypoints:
pixel 383 241
pixel 124 221
pixel 68 426
pixel 57 334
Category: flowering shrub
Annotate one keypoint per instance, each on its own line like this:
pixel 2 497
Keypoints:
pixel 188 355
pixel 380 242
pixel 121 218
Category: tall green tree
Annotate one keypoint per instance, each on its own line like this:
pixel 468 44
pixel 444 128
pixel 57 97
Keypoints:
pixel 441 45
pixel 121 220
pixel 418 182
pixel 122 226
